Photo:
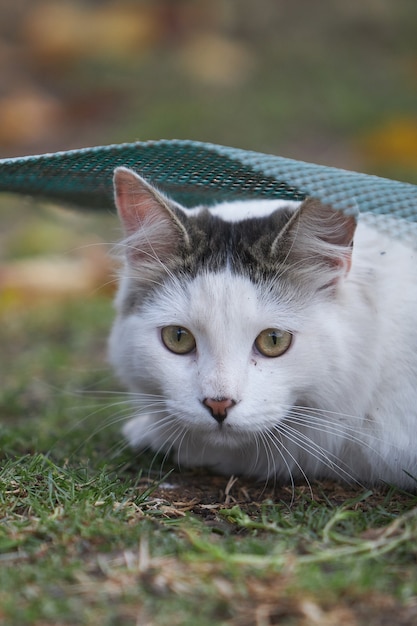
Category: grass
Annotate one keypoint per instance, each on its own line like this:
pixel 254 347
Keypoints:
pixel 90 534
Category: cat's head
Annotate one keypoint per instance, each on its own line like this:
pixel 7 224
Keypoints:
pixel 220 310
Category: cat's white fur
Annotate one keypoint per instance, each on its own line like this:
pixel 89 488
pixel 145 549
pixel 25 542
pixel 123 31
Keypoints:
pixel 340 403
pixel 240 210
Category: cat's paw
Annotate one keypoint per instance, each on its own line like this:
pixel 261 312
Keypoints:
pixel 136 432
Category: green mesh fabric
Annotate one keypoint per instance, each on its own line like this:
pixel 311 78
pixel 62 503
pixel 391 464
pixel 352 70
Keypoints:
pixel 195 173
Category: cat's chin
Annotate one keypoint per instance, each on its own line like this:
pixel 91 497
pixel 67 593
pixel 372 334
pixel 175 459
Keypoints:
pixel 224 437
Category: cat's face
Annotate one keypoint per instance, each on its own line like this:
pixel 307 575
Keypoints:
pixel 218 338
pixel 223 319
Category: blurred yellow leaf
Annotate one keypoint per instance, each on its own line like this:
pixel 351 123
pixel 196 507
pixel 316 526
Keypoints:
pixel 393 143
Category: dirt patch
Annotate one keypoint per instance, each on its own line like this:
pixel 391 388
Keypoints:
pixel 204 494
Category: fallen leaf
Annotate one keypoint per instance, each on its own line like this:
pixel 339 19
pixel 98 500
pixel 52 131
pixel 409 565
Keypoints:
pixel 395 142
pixel 28 116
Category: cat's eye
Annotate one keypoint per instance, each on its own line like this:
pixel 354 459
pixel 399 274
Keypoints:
pixel 272 342
pixel 178 339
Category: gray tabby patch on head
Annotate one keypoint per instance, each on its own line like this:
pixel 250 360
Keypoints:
pixel 308 242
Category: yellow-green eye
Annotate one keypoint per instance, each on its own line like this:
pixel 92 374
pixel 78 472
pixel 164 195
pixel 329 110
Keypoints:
pixel 273 342
pixel 178 339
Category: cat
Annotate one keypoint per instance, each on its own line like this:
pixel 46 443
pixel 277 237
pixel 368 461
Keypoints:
pixel 268 338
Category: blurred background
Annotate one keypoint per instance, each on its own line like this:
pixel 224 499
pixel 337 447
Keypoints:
pixel 330 82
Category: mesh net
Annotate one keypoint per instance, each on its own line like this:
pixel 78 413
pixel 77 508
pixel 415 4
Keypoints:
pixel 196 173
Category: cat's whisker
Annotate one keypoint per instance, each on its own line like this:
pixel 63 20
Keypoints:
pixel 255 460
pixel 320 420
pixel 270 460
pixel 344 431
pixel 317 452
pixel 176 432
pixel 259 440
pixel 130 408
pixel 114 420
pixel 170 436
pixel 315 422
pixel 275 436
pixel 320 412
pixel 126 409
pixel 182 436
pixel 268 441
pixel 305 443
pixel 119 447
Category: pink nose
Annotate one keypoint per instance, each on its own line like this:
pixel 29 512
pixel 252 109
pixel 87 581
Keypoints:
pixel 218 407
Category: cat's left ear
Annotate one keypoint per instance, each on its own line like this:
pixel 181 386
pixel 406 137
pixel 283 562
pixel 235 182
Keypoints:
pixel 139 203
pixel 320 236
pixel 149 219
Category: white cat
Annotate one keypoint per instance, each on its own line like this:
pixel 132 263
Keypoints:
pixel 256 340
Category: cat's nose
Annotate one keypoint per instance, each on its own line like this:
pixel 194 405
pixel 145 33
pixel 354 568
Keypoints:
pixel 218 407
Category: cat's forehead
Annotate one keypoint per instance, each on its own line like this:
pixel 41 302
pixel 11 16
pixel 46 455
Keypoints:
pixel 223 303
pixel 237 235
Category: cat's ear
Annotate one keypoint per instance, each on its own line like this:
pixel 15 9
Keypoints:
pixel 152 228
pixel 320 237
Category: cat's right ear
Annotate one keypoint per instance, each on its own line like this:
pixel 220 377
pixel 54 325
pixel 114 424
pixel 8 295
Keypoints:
pixel 146 215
